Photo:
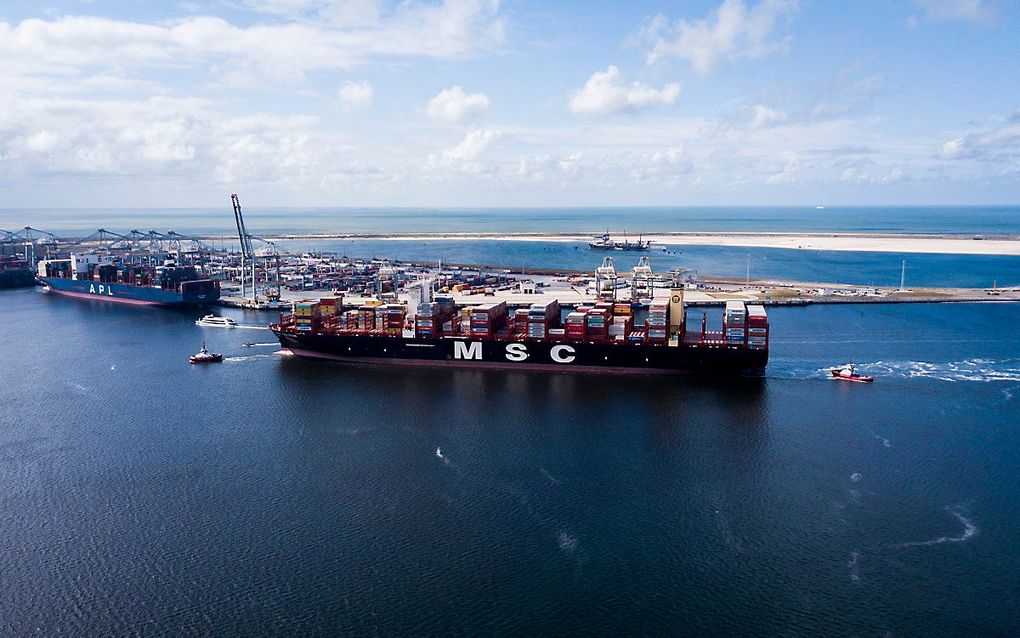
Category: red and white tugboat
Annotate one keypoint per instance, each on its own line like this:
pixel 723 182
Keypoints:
pixel 849 373
pixel 204 356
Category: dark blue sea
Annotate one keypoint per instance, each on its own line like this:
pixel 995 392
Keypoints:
pixel 273 496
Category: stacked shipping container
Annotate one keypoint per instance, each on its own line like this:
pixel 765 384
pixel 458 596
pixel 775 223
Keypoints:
pixel 757 327
pixel 657 323
pixel 735 323
pixel 487 319
pixel 541 318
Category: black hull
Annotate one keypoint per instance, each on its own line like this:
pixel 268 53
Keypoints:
pixel 20 278
pixel 529 355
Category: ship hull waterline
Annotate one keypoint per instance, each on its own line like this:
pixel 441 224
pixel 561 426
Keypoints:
pixel 122 293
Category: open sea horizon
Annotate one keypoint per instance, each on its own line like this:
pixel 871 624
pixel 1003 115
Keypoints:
pixel 990 220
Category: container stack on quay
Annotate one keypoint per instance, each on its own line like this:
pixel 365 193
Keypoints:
pixel 757 327
pixel 735 323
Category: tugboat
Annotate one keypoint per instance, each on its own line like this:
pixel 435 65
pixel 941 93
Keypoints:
pixel 204 356
pixel 848 372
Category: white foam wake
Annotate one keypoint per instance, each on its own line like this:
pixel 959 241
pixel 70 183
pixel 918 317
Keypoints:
pixel 854 566
pixel 970 530
pixel 248 357
pixel 980 370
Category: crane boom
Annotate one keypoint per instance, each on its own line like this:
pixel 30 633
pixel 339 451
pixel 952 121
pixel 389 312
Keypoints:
pixel 247 252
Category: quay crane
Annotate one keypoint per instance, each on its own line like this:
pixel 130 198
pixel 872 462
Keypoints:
pixel 606 279
pixel 247 253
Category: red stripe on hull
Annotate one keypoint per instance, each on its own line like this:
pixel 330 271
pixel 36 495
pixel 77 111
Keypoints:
pixel 91 297
pixel 489 365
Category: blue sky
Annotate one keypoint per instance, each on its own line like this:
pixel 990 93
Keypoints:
pixel 513 103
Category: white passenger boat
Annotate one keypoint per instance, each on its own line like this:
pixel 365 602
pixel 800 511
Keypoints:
pixel 214 321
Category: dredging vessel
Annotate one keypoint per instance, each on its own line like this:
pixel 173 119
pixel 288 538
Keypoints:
pixel 600 337
pixel 140 281
pixel 605 242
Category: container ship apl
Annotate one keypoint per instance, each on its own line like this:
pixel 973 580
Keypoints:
pixel 128 280
pixel 599 337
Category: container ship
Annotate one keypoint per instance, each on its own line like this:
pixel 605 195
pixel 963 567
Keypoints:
pixel 600 337
pixel 148 280
pixel 14 272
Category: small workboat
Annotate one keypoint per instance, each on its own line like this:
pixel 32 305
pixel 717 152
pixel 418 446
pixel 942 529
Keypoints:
pixel 248 344
pixel 204 356
pixel 215 321
pixel 849 373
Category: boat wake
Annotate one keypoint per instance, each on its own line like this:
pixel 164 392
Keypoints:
pixel 439 455
pixel 566 542
pixel 983 370
pixel 979 370
pixel 970 530
pixel 546 474
pixel 854 566
pixel 248 357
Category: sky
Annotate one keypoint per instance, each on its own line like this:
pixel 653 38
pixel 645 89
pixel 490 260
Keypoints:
pixel 488 103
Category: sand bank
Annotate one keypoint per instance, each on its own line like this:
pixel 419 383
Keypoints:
pixel 891 243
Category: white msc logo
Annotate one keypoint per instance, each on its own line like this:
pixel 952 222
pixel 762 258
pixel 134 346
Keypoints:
pixel 464 350
pixel 103 290
pixel 516 352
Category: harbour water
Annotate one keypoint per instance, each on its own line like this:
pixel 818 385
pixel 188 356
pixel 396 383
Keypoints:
pixel 859 268
pixel 274 496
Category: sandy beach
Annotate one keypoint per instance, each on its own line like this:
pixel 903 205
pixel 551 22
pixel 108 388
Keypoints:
pixel 936 244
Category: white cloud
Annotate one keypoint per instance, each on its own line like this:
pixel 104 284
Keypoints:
pixel 852 91
pixel 571 163
pixel 604 94
pixel 465 155
pixel 355 95
pixel 764 117
pixel 665 167
pixel 188 140
pixel 286 47
pixel 734 32
pixel 1000 144
pixel 453 106
pixel 973 11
